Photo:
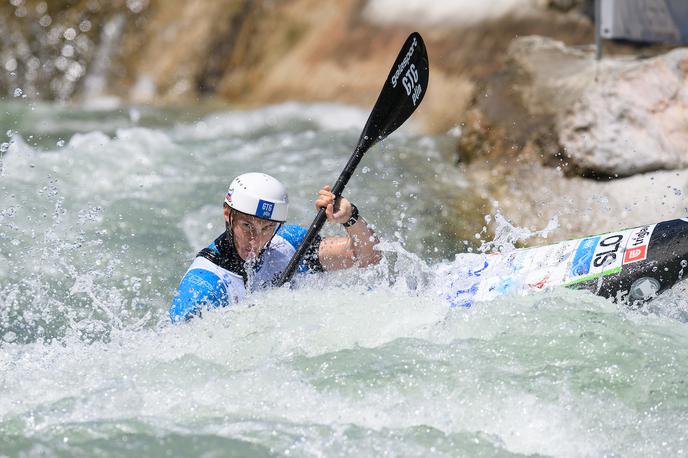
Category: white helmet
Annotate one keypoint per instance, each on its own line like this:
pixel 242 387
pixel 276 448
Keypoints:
pixel 259 195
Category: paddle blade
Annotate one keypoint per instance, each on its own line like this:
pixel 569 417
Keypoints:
pixel 403 91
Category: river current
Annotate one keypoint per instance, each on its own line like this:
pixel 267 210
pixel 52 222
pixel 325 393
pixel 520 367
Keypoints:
pixel 101 212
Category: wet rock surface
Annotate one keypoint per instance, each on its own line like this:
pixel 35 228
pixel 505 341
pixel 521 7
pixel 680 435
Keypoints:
pixel 615 117
pixel 595 145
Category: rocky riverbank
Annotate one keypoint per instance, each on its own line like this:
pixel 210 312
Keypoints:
pixel 594 144
pixel 263 51
pixel 543 129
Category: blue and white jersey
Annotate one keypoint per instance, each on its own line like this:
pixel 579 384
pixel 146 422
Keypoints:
pixel 218 277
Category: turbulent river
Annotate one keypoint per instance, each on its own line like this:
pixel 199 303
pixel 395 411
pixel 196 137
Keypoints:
pixel 101 212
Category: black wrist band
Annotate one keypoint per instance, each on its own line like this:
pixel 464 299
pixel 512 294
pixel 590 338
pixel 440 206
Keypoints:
pixel 353 218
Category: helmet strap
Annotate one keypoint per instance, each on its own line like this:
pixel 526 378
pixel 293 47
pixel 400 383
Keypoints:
pixel 279 225
pixel 228 227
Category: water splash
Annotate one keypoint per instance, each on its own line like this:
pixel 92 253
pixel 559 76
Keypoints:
pixel 506 235
pixel 95 235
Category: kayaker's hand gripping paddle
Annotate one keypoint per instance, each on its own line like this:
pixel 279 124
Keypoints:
pixel 403 91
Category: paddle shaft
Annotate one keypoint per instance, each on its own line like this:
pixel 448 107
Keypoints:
pixel 321 217
pixel 394 105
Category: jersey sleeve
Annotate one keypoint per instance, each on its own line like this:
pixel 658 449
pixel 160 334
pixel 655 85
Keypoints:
pixel 198 289
pixel 294 235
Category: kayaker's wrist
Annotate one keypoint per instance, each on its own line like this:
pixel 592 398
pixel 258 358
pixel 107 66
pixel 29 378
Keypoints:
pixel 353 219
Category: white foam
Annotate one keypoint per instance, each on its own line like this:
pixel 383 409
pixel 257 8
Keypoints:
pixel 354 363
pixel 322 115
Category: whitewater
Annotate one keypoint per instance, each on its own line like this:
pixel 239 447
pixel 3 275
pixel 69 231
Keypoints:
pixel 101 212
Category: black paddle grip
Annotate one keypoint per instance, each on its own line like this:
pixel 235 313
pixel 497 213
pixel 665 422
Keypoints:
pixel 313 230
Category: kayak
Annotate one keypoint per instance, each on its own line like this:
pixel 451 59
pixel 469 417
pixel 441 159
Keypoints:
pixel 630 266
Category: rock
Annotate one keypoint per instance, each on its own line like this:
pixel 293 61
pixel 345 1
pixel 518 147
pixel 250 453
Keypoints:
pixel 615 117
pixel 554 116
pixel 634 120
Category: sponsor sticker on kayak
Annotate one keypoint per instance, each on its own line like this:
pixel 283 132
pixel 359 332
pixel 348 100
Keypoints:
pixel 636 248
pixel 609 251
pixel 600 255
pixel 580 265
pixel 635 254
pixel 552 267
pixel 608 256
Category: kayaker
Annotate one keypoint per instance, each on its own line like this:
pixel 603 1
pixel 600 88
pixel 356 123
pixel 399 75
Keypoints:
pixel 257 246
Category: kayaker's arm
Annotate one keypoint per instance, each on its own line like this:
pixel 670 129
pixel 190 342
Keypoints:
pixel 198 289
pixel 358 248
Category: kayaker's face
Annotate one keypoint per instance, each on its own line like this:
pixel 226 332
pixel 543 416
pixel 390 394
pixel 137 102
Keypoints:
pixel 250 234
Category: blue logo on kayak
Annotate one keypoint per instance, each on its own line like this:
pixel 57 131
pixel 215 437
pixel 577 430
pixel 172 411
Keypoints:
pixel 265 209
pixel 477 272
pixel 503 286
pixel 462 297
pixel 580 265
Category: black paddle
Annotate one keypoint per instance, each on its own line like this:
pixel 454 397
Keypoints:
pixel 402 93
